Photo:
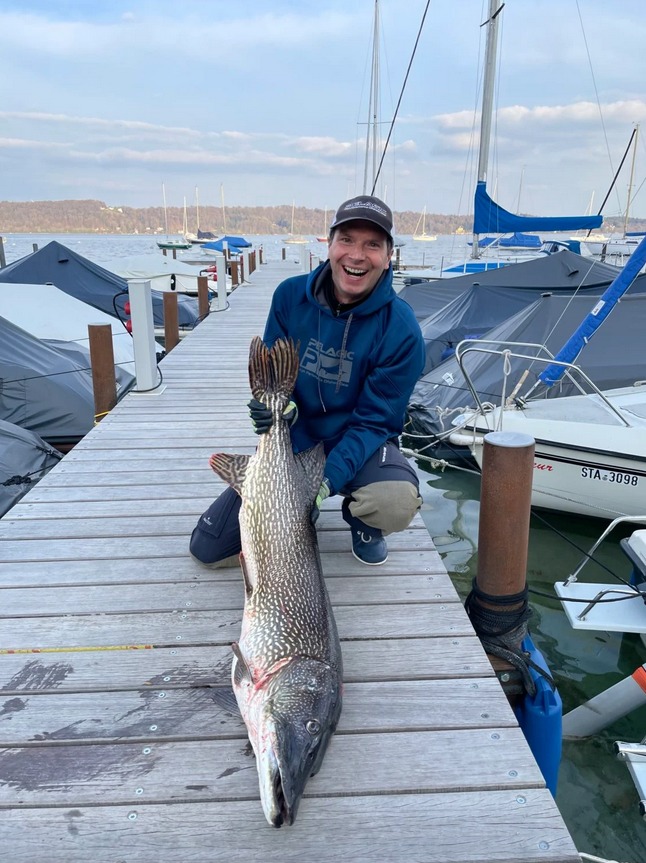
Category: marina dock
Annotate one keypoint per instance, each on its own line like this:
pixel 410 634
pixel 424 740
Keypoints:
pixel 120 742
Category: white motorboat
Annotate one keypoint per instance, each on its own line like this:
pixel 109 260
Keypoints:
pixel 590 455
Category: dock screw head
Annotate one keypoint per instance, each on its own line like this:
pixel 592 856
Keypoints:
pixel 153 728
pixel 139 791
pixel 178 638
pixel 521 800
pixel 496 736
pixel 505 677
pixel 543 845
pixel 161 695
pixel 132 816
pixel 513 773
pixel 147 750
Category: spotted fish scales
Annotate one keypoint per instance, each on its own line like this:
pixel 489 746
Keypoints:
pixel 287 666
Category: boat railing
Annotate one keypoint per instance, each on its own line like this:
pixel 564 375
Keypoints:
pixel 507 351
pixel 589 555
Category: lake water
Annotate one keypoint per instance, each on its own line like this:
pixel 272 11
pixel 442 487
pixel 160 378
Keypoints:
pixel 596 794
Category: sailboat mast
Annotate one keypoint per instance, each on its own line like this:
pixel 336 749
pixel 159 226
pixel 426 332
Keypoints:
pixel 165 209
pixel 224 218
pixel 197 211
pixel 373 110
pixel 491 50
pixel 632 177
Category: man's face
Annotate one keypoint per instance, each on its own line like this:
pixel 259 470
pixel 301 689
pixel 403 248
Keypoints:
pixel 359 253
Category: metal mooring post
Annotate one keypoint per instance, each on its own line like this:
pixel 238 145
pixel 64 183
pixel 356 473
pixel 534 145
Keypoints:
pixel 143 337
pixel 498 602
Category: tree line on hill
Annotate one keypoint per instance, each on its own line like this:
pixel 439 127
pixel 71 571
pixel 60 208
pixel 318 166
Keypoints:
pixel 88 217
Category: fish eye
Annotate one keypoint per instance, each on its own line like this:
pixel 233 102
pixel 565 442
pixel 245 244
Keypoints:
pixel 313 726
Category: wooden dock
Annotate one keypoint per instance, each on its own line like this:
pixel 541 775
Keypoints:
pixel 118 740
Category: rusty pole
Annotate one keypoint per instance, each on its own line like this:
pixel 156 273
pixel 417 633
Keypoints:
pixel 103 377
pixel 171 321
pixel 503 530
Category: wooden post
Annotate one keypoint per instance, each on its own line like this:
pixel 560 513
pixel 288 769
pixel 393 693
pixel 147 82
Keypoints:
pixel 202 296
pixel 241 274
pixel 503 530
pixel 260 256
pixel 34 247
pixel 283 253
pixel 103 378
pixel 3 260
pixel 174 254
pixel 235 276
pixel 171 321
pixel 252 261
pixel 164 252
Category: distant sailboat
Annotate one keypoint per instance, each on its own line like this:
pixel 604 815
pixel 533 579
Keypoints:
pixel 423 237
pixel 169 243
pixel 324 238
pixel 295 238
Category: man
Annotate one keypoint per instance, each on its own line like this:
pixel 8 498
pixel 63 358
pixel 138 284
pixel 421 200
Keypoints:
pixel 361 353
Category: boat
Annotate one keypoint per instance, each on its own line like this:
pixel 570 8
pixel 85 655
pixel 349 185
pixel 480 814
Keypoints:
pixel 489 217
pixel 56 264
pixel 199 237
pixel 325 237
pixel 618 607
pixel 423 237
pixel 170 242
pixel 164 273
pixel 293 238
pixel 590 447
pixel 25 458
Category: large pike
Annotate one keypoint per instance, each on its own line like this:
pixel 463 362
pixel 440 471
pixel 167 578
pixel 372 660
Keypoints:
pixel 286 669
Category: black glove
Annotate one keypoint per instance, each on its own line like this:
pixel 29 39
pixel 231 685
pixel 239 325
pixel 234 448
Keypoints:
pixel 262 418
pixel 324 492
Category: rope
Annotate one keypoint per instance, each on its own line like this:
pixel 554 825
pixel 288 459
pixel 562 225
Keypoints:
pixel 501 632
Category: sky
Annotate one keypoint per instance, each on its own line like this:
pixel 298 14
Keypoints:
pixel 266 102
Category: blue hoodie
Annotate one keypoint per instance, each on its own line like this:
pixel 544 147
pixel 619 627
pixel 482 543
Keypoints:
pixel 357 369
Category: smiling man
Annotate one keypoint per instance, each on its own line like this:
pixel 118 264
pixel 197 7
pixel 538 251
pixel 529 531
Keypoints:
pixel 361 353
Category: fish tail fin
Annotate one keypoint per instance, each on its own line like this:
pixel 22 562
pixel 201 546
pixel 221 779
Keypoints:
pixel 273 371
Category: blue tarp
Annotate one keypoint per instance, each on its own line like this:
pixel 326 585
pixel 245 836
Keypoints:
pixel 232 243
pixel 489 217
pixel 81 278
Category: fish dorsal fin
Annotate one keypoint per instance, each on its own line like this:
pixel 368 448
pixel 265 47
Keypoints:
pixel 312 463
pixel 241 672
pixel 273 371
pixel 231 468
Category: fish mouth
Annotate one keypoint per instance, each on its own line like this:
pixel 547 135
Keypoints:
pixel 282 813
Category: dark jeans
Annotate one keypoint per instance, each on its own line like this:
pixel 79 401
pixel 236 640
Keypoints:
pixel 217 533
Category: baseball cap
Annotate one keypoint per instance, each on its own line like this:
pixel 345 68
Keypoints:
pixel 368 209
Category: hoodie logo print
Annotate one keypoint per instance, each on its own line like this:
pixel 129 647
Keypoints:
pixel 327 364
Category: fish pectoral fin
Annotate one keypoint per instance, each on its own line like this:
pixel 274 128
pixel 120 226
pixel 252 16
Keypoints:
pixel 312 463
pixel 231 468
pixel 241 672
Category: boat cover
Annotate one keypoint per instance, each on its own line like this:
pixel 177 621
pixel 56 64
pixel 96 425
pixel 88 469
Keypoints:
pixel 24 459
pixel 47 387
pixel 81 278
pixel 561 271
pixel 490 217
pixel 614 358
pixel 485 304
pixel 232 243
pixel 49 313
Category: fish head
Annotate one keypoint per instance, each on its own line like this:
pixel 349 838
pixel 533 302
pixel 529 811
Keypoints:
pixel 295 724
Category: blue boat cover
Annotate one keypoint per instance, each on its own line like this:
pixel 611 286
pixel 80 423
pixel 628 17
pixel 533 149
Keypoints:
pixel 490 217
pixel 232 243
pixel 521 241
pixel 81 278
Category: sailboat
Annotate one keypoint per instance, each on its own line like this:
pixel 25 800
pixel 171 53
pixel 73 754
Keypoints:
pixel 295 238
pixel 423 237
pixel 489 217
pixel 198 238
pixel 590 448
pixel 169 243
pixel 324 238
